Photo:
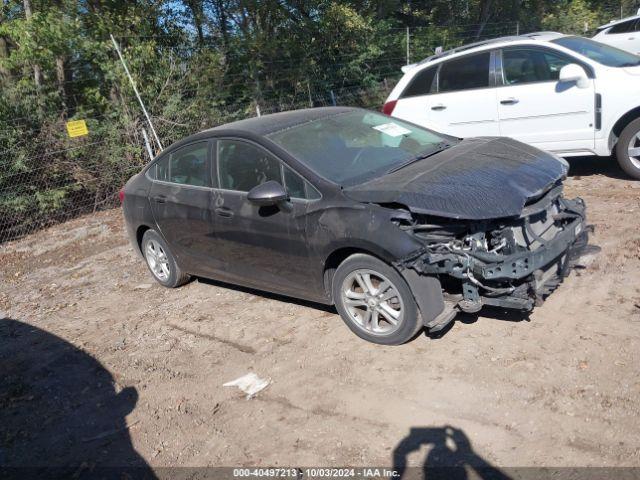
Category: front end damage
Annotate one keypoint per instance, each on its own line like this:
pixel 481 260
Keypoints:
pixel 511 262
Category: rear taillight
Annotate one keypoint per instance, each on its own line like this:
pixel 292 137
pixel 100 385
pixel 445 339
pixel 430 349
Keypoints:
pixel 121 195
pixel 388 107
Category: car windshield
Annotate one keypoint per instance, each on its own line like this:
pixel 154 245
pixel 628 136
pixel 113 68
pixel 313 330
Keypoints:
pixel 599 52
pixel 354 147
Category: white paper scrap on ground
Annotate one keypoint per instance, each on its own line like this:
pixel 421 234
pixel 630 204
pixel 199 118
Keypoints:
pixel 249 384
pixel 392 129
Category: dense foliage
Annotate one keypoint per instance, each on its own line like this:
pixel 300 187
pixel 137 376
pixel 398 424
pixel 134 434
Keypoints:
pixel 202 62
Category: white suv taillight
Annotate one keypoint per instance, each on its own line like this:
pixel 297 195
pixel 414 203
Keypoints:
pixel 388 107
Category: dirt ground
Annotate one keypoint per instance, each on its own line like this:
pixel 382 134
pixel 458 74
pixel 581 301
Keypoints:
pixel 559 388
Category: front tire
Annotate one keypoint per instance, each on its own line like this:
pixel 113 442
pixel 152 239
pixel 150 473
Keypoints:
pixel 375 301
pixel 628 149
pixel 161 262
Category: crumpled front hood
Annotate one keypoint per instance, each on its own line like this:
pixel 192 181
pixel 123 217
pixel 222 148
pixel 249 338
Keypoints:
pixel 477 179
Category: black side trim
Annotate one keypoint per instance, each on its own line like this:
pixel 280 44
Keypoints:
pixel 598 111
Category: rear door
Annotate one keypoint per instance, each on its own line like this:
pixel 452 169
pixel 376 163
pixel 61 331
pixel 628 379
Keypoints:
pixel 265 247
pixel 181 202
pixel 461 100
pixel 414 101
pixel 535 108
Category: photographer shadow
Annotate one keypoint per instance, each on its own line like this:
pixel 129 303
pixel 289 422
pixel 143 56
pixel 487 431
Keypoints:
pixel 450 456
pixel 61 415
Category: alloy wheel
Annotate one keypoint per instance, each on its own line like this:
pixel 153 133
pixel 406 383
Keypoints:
pixel 634 150
pixel 372 302
pixel 157 261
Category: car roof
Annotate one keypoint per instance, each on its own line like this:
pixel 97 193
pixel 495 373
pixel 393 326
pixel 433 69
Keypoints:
pixel 486 44
pixel 276 122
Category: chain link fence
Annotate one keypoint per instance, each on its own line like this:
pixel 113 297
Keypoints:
pixel 60 178
pixel 47 177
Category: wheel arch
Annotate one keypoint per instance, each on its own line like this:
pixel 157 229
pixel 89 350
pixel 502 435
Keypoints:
pixel 620 125
pixel 340 254
pixel 140 231
pixel 426 289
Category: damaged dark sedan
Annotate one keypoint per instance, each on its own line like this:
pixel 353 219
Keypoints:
pixel 398 226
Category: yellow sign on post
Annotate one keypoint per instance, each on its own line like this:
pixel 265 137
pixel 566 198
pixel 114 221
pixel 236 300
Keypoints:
pixel 77 128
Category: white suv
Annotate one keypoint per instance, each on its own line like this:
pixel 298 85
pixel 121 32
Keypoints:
pixel 624 34
pixel 565 94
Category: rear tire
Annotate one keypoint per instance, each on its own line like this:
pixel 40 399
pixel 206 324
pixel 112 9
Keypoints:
pixel 161 262
pixel 628 149
pixel 375 301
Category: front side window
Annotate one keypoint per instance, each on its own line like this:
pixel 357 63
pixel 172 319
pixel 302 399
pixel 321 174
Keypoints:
pixel 599 52
pixel 298 187
pixel 357 146
pixel 242 166
pixel 465 73
pixel 421 83
pixel 186 166
pixel 522 66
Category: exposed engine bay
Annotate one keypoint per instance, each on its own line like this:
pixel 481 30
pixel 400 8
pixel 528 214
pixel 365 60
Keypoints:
pixel 509 262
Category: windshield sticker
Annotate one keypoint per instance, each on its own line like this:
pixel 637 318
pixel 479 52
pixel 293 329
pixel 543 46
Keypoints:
pixel 392 129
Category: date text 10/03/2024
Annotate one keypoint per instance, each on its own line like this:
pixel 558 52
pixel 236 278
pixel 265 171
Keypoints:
pixel 363 472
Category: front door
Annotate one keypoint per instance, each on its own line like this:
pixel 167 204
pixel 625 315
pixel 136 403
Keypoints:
pixel 261 246
pixel 535 108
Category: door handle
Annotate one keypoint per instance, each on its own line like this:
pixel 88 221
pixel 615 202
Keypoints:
pixel 224 212
pixel 160 198
pixel 438 107
pixel 509 101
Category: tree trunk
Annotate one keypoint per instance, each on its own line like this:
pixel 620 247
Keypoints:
pixel 197 13
pixel 62 71
pixel 37 72
pixel 5 73
pixel 222 16
pixel 485 14
pixel 61 78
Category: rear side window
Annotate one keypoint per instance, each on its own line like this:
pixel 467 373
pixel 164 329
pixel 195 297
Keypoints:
pixel 186 166
pixel 624 27
pixel 465 73
pixel 421 84
pixel 160 171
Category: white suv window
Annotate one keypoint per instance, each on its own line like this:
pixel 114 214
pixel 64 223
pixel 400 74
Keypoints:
pixel 421 84
pixel 528 65
pixel 465 73
pixel 624 27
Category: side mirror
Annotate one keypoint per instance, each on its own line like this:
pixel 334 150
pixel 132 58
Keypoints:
pixel 574 73
pixel 269 193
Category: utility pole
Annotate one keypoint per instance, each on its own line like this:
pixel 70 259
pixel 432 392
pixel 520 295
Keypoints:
pixel 135 89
